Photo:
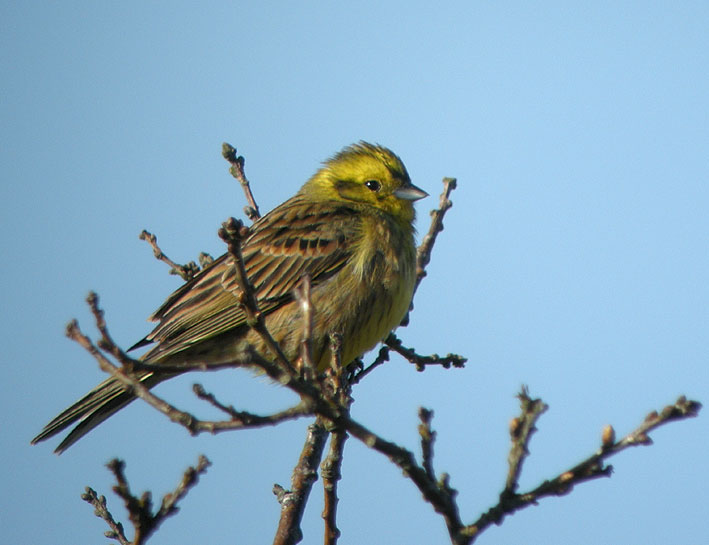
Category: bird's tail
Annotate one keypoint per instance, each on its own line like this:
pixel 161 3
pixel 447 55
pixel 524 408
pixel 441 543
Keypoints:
pixel 106 399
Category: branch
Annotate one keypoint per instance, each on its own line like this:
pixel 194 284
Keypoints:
pixel 187 271
pixel 302 296
pixel 393 342
pixel 423 253
pixel 331 473
pixel 438 493
pixel 237 171
pixel 428 436
pixel 331 468
pixel 305 474
pixel 190 478
pixel 140 509
pixel 101 510
pixel 333 391
pixel 126 374
pixel 382 357
pixel 521 430
pixel 331 405
pixel 442 497
pixel 233 232
pixel 423 257
pixel 591 468
pixel 329 398
pixel 245 419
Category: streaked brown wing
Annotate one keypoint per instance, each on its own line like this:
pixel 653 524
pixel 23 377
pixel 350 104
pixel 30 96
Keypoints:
pixel 291 241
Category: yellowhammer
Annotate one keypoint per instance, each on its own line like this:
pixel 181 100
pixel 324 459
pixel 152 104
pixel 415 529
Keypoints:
pixel 349 228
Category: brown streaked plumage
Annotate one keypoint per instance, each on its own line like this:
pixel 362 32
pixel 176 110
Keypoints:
pixel 349 228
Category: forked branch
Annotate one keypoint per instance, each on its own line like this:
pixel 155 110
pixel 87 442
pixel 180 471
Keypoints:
pixel 140 510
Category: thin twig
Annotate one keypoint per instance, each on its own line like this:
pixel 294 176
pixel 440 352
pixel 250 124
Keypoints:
pixel 521 430
pixel 302 296
pixel 592 467
pixel 332 407
pixel 428 436
pixel 423 253
pixel 126 375
pixel 382 357
pixel 246 419
pixel 106 342
pixel 233 232
pixel 423 257
pixel 442 497
pixel 439 493
pixel 237 171
pixel 393 342
pixel 145 523
pixel 101 510
pixel 340 390
pixel 127 378
pixel 186 272
pixel 190 478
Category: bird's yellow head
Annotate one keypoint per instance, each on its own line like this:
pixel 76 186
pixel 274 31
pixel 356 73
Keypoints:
pixel 364 173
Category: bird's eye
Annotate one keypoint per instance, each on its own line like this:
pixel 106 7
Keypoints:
pixel 373 185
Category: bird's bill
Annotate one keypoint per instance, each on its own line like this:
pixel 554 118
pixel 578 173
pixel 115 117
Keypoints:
pixel 410 193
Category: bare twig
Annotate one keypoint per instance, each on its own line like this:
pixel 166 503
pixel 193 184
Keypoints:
pixel 101 510
pixel 336 377
pixel 423 254
pixel 140 509
pixel 305 473
pixel 186 272
pixel 331 473
pixel 190 478
pixel 302 296
pixel 382 357
pixel 245 419
pixel 442 497
pixel 521 430
pixel 237 171
pixel 591 468
pixel 205 259
pixel 437 493
pixel 232 232
pixel 106 342
pixel 423 257
pixel 683 408
pixel 126 374
pixel 340 390
pixel 329 399
pixel 393 342
pixel 428 436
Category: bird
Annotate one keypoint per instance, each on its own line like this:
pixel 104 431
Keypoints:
pixel 349 229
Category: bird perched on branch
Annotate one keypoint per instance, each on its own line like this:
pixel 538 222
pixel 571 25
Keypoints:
pixel 349 229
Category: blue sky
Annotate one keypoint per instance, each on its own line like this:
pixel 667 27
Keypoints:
pixel 574 260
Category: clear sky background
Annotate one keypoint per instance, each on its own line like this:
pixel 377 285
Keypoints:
pixel 574 259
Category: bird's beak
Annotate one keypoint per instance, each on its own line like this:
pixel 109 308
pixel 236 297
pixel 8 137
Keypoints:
pixel 410 193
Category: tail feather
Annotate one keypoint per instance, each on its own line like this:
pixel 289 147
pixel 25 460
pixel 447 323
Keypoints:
pixel 96 406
